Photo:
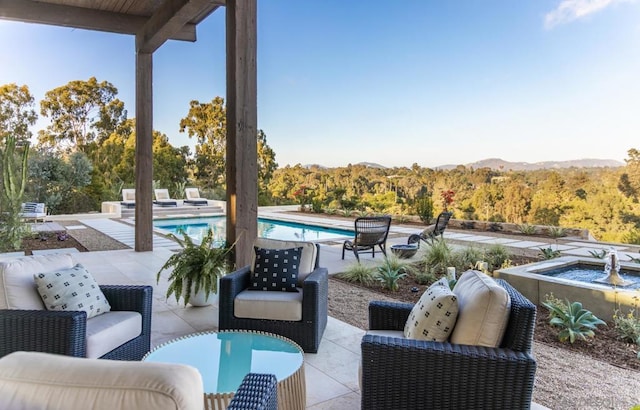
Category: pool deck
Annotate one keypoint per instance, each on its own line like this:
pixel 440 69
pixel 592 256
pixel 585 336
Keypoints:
pixel 332 373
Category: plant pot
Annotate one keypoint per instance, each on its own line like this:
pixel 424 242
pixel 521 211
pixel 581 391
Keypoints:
pixel 199 299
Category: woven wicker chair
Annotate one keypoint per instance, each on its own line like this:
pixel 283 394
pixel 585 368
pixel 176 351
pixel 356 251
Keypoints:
pixel 432 231
pixel 64 332
pixel 306 332
pixel 371 231
pixel 256 392
pixel 415 374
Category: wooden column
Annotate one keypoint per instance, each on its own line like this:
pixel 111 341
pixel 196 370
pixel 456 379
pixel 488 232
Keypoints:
pixel 144 152
pixel 242 119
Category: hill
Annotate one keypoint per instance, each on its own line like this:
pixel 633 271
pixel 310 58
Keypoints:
pixel 500 164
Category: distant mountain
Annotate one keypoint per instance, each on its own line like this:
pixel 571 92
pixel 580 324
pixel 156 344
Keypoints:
pixel 500 164
pixel 371 165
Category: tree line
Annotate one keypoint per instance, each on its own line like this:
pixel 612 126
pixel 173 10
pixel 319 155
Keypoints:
pixel 86 156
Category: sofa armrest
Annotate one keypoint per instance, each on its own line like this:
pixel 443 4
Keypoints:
pixel 234 283
pixel 315 291
pixel 412 373
pixel 129 298
pixel 388 315
pixel 256 392
pixel 43 331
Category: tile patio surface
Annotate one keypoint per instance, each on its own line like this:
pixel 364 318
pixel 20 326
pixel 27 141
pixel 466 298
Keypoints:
pixel 332 373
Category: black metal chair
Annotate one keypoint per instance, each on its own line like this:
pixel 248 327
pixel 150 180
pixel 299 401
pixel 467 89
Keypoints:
pixel 431 231
pixel 402 373
pixel 307 332
pixel 64 332
pixel 370 231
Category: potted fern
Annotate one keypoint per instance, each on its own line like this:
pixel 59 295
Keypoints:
pixel 197 269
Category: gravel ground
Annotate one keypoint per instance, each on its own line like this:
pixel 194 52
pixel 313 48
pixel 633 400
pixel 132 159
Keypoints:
pixel 564 380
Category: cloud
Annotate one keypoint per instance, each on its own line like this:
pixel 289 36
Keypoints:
pixel 570 10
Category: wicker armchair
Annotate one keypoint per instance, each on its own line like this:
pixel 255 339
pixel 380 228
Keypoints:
pixel 371 231
pixel 414 374
pixel 307 332
pixel 65 332
pixel 431 231
pixel 257 392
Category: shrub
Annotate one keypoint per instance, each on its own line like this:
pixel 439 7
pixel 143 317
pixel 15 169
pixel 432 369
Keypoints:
pixel 498 256
pixel 425 277
pixel 424 209
pixel 464 258
pixel 526 229
pixel 390 272
pixel 358 273
pixel 437 256
pixel 628 326
pixel 573 321
pixel 557 231
pixel 549 253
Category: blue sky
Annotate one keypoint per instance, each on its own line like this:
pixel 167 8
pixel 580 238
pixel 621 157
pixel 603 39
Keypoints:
pixel 396 83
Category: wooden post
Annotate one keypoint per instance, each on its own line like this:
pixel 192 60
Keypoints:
pixel 144 152
pixel 242 119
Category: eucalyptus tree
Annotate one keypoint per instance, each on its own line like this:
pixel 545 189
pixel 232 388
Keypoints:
pixel 207 122
pixel 83 114
pixel 17 112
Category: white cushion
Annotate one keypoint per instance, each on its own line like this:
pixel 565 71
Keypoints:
pixel 387 333
pixel 162 194
pixel 128 194
pixel 72 289
pixel 307 262
pixel 110 330
pixel 434 315
pixel 484 310
pixel 192 193
pixel 17 288
pixel 268 304
pixel 33 380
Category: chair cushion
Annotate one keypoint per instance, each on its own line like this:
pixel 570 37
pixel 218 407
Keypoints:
pixel 307 261
pixel 162 194
pixel 434 316
pixel 71 289
pixel 273 305
pixel 110 330
pixel 17 287
pixel 484 310
pixel 275 269
pixel 33 380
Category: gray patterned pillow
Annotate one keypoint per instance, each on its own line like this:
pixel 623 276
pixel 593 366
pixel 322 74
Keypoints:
pixel 71 289
pixel 435 314
pixel 276 269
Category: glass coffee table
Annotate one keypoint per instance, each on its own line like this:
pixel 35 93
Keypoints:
pixel 224 358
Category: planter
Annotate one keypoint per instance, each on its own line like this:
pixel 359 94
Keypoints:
pixel 199 299
pixel 404 251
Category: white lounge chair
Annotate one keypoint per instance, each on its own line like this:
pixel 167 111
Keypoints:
pixel 33 211
pixel 193 197
pixel 128 198
pixel 163 198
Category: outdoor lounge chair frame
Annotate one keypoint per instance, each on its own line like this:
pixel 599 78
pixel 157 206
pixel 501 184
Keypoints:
pixel 306 332
pixel 400 373
pixel 370 231
pixel 194 200
pixel 432 231
pixel 163 198
pixel 65 332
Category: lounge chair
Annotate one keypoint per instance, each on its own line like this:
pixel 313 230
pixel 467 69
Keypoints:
pixel 128 198
pixel 163 198
pixel 193 197
pixel 370 231
pixel 431 231
pixel 33 211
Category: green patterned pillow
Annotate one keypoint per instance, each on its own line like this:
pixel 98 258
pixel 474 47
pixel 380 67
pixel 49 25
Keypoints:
pixel 71 289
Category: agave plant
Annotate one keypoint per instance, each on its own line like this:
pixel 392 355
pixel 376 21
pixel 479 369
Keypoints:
pixel 196 266
pixel 390 272
pixel 573 319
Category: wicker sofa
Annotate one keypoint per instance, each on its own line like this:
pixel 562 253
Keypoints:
pixel 28 326
pixel 307 331
pixel 400 373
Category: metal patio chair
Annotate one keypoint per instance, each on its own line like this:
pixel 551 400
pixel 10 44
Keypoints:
pixel 371 231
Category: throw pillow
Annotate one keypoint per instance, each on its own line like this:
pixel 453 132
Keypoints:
pixel 71 289
pixel 435 314
pixel 276 269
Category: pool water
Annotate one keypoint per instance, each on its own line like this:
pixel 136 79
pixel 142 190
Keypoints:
pixel 196 228
pixel 589 273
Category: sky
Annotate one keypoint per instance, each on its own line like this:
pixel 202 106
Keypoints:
pixel 394 83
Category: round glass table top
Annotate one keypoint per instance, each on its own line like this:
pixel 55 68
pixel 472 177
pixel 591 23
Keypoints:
pixel 224 358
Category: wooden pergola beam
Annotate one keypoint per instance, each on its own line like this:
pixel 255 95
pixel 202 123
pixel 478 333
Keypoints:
pixel 79 17
pixel 169 19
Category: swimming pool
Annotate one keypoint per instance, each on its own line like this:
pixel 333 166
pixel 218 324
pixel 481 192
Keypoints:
pixel 196 228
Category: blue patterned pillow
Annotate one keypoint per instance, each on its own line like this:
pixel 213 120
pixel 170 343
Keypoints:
pixel 276 269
